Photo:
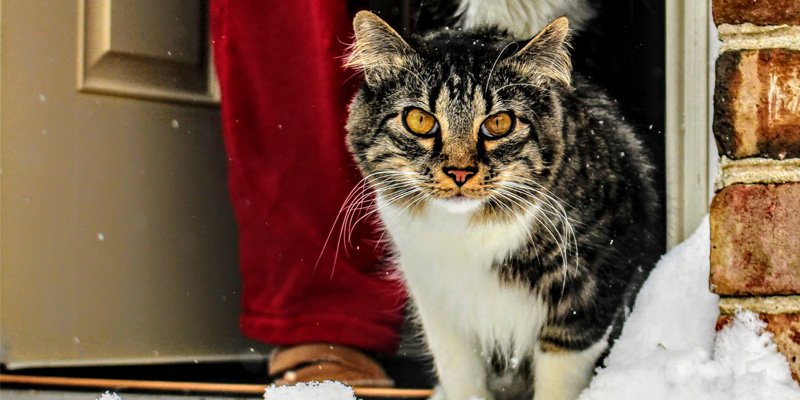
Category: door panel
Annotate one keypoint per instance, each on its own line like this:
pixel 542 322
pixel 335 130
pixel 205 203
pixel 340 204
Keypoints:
pixel 117 240
pixel 149 48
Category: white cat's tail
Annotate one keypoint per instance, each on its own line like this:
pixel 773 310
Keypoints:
pixel 522 18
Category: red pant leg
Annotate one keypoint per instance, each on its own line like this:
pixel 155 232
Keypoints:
pixel 284 104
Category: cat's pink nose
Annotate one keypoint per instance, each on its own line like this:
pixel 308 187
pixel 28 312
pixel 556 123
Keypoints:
pixel 460 175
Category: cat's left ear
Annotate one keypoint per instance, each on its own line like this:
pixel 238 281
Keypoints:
pixel 547 54
pixel 379 51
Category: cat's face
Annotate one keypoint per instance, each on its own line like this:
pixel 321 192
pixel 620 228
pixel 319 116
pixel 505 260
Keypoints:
pixel 464 121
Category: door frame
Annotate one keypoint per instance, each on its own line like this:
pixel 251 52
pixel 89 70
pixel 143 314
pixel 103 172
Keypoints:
pixel 690 158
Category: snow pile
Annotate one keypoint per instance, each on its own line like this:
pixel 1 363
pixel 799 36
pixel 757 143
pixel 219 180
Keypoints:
pixel 109 396
pixel 327 390
pixel 667 349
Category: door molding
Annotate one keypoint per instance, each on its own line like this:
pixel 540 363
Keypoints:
pixel 687 117
pixel 115 56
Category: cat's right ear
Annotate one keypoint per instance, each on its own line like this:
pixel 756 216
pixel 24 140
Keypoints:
pixel 378 51
pixel 547 55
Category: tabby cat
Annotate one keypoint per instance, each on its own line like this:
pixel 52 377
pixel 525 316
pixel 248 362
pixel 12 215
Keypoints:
pixel 516 199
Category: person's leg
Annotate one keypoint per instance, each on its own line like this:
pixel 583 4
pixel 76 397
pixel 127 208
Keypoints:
pixel 284 104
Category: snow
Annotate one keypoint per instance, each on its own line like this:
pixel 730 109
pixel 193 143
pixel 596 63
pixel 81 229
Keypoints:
pixel 327 390
pixel 668 348
pixel 109 396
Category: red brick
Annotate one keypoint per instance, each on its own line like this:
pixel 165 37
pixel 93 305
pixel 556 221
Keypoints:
pixel 758 12
pixel 786 331
pixel 757 104
pixel 755 240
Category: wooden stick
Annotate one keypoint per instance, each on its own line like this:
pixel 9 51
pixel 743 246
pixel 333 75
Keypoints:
pixel 108 384
pixel 392 392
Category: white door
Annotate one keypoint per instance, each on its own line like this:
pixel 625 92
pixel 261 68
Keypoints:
pixel 117 240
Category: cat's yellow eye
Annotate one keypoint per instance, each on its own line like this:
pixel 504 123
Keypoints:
pixel 419 122
pixel 498 125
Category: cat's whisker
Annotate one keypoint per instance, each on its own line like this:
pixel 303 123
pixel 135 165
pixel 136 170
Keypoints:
pixel 357 205
pixel 416 197
pixel 565 237
pixel 491 71
pixel 422 196
pixel 521 84
pixel 407 181
pixel 553 202
pixel 345 230
pixel 411 193
pixel 530 208
pixel 534 115
pixel 524 179
pixel 416 75
pixel 560 248
pixel 349 78
pixel 530 232
pixel 569 238
pixel 359 187
pixel 367 195
pixel 373 209
pixel 352 209
pixel 510 212
pixel 553 208
pixel 343 235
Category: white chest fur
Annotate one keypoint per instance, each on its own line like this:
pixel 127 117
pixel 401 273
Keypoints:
pixel 447 261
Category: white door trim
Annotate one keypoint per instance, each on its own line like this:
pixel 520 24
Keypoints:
pixel 689 152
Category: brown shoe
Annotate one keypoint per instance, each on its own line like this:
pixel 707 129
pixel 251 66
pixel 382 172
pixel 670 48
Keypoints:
pixel 322 361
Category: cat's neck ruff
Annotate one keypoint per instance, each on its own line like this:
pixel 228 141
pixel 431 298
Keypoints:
pixel 449 227
pixel 457 205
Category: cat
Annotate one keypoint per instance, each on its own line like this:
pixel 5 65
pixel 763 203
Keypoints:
pixel 516 199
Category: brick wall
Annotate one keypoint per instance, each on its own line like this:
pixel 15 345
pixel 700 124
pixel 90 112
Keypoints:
pixel 755 214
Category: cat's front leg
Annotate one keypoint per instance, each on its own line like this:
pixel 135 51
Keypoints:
pixel 561 374
pixel 457 358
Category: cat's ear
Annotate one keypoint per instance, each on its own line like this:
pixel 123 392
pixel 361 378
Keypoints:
pixel 547 53
pixel 378 51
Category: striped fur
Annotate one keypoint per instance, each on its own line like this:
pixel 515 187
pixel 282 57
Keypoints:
pixel 522 274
